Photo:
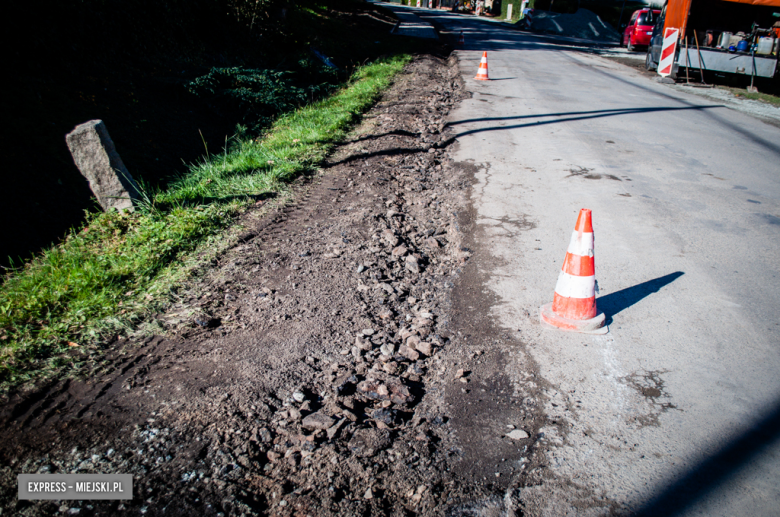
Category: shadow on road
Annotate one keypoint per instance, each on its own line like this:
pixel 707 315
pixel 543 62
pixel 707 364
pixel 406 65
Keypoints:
pixel 614 303
pixel 560 117
pixel 750 135
pixel 616 111
pixel 584 115
pixel 482 35
pixel 711 473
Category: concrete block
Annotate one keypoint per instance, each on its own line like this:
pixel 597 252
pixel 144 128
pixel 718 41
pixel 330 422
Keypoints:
pixel 96 157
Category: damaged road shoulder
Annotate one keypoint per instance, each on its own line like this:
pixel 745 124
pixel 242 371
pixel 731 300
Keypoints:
pixel 309 387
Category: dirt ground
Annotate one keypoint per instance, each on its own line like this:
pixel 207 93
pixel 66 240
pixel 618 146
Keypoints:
pixel 339 360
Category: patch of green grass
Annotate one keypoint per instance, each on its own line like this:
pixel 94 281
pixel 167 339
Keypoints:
pixel 763 97
pixel 94 284
pixel 296 142
pixel 59 307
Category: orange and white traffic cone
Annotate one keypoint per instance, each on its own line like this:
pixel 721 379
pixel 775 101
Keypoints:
pixel 461 39
pixel 574 304
pixel 482 73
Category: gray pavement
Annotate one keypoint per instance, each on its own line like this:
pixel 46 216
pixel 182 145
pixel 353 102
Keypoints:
pixel 409 24
pixel 680 401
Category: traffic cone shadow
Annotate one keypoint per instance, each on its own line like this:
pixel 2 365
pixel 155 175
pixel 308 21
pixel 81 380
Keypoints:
pixel 618 301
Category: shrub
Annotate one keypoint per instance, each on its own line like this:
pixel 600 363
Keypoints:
pixel 256 96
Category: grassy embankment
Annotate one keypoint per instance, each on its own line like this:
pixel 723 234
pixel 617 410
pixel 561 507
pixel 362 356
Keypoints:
pixel 57 310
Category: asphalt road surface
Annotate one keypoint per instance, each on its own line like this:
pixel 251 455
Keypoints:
pixel 676 411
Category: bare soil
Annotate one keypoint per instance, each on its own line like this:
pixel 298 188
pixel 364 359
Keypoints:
pixel 339 360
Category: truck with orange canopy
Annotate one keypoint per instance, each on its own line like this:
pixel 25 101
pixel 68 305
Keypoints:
pixel 721 36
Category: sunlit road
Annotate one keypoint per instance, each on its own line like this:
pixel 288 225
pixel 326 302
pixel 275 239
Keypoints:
pixel 680 400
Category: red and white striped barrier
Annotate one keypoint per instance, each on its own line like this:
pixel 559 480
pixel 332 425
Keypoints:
pixel 668 51
pixel 419 3
pixel 574 304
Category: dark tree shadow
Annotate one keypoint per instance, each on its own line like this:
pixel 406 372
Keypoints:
pixel 383 152
pixel 254 197
pixel 586 115
pixel 766 144
pixel 613 303
pixel 395 132
pixel 711 473
pixel 583 115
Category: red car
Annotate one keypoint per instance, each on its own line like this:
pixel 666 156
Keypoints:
pixel 640 28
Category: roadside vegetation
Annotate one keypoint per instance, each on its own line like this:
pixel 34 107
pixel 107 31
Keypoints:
pixel 164 76
pixel 742 92
pixel 59 309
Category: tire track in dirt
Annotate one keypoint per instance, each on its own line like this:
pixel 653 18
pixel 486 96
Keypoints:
pixel 310 368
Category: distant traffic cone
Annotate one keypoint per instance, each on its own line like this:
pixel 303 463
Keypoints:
pixel 574 304
pixel 461 39
pixel 482 73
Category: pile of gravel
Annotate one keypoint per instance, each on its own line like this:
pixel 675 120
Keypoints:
pixel 582 24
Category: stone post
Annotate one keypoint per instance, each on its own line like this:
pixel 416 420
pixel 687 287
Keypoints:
pixel 97 160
